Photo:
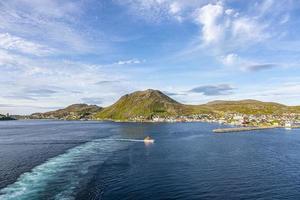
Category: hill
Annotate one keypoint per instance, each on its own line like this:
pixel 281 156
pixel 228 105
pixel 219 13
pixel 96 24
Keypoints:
pixel 248 106
pixel 72 112
pixel 143 105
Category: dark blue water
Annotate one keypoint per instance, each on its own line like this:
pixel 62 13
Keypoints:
pixel 85 160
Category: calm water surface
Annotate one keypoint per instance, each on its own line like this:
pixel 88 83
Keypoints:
pixel 85 160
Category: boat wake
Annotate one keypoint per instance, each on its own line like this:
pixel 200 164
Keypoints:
pixel 41 142
pixel 62 176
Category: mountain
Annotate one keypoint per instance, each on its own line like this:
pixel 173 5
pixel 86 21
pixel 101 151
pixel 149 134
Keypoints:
pixel 144 105
pixel 72 112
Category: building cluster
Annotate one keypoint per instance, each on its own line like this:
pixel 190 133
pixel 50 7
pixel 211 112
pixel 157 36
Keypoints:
pixel 260 120
pixel 230 118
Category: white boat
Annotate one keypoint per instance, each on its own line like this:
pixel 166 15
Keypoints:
pixel 148 140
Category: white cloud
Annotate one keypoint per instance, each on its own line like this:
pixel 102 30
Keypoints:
pixel 175 8
pixel 150 10
pixel 74 79
pixel 221 25
pixel 53 22
pixel 160 10
pixel 51 8
pixel 238 63
pixel 209 17
pixel 285 18
pixel 230 59
pixel 9 42
pixel 229 11
pixel 128 62
pixel 265 6
pixel 248 29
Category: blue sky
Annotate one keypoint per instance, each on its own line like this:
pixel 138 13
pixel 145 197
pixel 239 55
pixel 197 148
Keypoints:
pixel 54 53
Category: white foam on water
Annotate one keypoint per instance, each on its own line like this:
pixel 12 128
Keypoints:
pixel 124 140
pixel 60 177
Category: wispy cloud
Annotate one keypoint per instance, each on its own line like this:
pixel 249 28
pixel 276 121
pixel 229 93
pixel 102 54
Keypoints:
pixel 9 42
pixel 150 10
pixel 29 106
pixel 173 93
pixel 86 51
pixel 104 82
pixel 156 11
pixel 40 92
pixel 259 67
pixel 236 62
pixel 93 100
pixel 18 97
pixel 46 20
pixel 31 94
pixel 213 90
pixel 130 61
pixel 249 29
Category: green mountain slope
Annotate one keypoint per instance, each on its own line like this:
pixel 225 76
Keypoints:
pixel 143 104
pixel 72 112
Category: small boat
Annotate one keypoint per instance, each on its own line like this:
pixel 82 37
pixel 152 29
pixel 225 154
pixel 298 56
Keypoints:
pixel 288 126
pixel 148 140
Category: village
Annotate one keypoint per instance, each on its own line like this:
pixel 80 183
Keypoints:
pixel 236 119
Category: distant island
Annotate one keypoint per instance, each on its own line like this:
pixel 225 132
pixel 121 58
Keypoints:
pixel 154 106
pixel 72 112
pixel 6 117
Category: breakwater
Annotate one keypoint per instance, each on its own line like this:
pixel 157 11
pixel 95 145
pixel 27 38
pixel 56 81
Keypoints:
pixel 241 129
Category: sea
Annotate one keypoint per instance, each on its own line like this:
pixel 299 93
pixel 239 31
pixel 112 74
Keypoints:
pixel 82 160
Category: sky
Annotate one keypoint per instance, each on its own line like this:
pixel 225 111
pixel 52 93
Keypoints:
pixel 55 53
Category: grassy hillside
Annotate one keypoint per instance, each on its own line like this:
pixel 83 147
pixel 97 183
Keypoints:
pixel 294 109
pixel 143 103
pixel 146 104
pixel 246 107
pixel 154 103
pixel 72 112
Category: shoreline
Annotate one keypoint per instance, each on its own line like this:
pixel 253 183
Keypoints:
pixel 217 130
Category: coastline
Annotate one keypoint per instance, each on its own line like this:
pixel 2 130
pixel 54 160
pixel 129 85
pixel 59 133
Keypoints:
pixel 236 128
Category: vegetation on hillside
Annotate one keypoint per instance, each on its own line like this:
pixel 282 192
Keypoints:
pixel 253 107
pixel 153 103
pixel 143 103
pixel 72 112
